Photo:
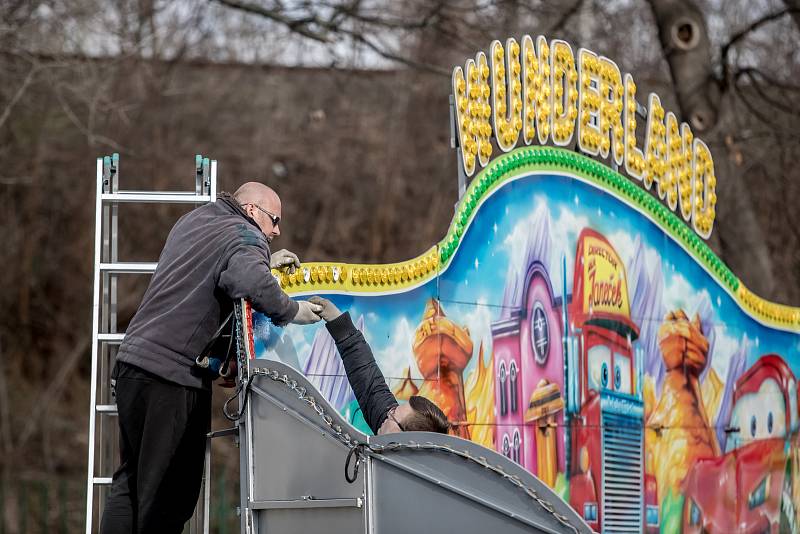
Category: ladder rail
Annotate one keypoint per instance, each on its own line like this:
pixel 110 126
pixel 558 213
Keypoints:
pixel 212 185
pixel 95 329
pixel 110 279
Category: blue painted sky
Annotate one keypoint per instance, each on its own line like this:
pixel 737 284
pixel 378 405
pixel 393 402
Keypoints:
pixel 472 287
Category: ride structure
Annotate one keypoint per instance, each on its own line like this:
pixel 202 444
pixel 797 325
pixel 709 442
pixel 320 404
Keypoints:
pixel 306 469
pixel 573 319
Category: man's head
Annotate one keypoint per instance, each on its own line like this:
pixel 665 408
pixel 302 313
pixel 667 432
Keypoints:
pixel 417 415
pixel 263 205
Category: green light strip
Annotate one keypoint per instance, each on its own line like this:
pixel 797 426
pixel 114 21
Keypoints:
pixel 539 158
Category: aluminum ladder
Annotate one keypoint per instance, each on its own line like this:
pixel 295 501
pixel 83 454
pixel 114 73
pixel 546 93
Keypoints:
pixel 106 337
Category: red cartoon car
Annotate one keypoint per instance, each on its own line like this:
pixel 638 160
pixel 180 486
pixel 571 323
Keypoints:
pixel 750 488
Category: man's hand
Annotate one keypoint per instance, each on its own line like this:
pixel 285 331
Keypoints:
pixel 307 313
pixel 329 310
pixel 284 258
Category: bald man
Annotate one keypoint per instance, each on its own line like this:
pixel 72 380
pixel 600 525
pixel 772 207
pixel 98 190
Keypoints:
pixel 214 254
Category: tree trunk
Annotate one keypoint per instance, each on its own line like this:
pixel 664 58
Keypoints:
pixel 794 5
pixel 684 39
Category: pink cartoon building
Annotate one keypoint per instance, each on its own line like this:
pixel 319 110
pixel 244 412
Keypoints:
pixel 529 361
pixel 529 369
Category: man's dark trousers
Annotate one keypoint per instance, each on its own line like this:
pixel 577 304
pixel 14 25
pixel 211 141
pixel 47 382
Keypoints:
pixel 163 429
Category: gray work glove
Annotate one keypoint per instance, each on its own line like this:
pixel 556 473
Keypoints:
pixel 284 258
pixel 307 313
pixel 329 310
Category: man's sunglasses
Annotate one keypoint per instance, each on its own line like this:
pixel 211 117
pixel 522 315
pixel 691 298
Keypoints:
pixel 272 217
pixel 391 416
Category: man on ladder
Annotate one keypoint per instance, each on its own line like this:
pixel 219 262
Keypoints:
pixel 214 254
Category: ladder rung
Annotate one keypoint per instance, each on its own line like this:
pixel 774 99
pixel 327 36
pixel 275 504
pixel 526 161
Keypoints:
pixel 171 197
pixel 129 267
pixel 106 408
pixel 111 338
pixel 101 481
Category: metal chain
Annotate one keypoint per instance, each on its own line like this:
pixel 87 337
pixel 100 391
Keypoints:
pixel 352 443
pixel 302 394
pixel 241 353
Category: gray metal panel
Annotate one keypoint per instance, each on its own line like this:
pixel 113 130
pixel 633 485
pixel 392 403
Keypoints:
pixel 293 458
pixel 320 520
pixel 412 504
pixel 297 462
pixel 451 493
pixel 418 482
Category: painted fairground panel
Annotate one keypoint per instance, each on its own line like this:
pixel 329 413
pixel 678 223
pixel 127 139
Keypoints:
pixel 569 331
pixel 662 389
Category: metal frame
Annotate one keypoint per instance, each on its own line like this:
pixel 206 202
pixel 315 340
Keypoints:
pixel 489 490
pixel 105 336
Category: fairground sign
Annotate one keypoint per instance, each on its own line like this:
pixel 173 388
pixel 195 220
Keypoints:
pixel 573 321
pixel 541 93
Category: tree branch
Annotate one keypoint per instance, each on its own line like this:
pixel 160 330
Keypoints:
pixel 53 391
pixel 386 54
pixel 91 136
pixel 750 74
pixel 398 23
pixel 769 79
pixel 753 109
pixel 336 25
pixel 794 6
pixel 753 26
pixel 21 91
pixel 5 414
pixel 301 26
pixel 562 21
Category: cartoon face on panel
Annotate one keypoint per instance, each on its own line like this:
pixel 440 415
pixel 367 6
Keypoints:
pixel 765 403
pixel 609 370
pixel 599 363
pixel 759 415
pixel 622 373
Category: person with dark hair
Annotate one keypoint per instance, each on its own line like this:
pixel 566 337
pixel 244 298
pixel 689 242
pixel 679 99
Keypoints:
pixel 423 416
pixel 381 410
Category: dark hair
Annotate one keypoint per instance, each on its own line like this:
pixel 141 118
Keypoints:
pixel 426 417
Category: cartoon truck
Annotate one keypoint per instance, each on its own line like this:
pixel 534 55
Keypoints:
pixel 604 403
pixel 752 488
pixel 582 414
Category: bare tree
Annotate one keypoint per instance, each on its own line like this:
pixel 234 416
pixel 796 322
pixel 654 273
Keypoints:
pixel 159 81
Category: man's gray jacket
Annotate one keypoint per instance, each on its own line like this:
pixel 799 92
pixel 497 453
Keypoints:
pixel 213 254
